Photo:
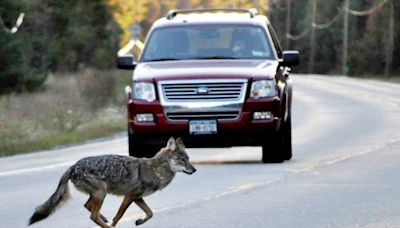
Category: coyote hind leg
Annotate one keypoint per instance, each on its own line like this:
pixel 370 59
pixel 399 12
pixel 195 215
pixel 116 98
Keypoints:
pixel 89 206
pixel 140 202
pixel 97 202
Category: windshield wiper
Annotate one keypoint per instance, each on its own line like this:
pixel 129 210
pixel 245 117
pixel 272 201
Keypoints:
pixel 216 57
pixel 161 59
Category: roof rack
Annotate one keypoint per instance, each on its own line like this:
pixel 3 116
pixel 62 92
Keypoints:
pixel 171 14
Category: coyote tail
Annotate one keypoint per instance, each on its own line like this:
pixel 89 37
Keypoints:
pixel 59 196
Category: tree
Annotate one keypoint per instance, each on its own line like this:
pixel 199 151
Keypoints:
pixel 128 12
pixel 56 35
pixel 16 73
pixel 83 34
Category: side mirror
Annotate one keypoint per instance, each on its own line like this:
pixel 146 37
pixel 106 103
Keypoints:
pixel 126 62
pixel 290 58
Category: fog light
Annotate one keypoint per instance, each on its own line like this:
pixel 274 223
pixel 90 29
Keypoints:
pixel 145 117
pixel 262 115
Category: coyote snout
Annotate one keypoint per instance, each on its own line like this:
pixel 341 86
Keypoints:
pixel 131 177
pixel 179 161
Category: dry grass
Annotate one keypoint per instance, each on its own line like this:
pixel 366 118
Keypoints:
pixel 70 109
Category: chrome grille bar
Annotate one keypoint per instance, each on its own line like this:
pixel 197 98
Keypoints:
pixel 202 91
pixel 205 115
pixel 220 99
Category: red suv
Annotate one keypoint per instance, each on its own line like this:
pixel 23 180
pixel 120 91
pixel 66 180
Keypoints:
pixel 216 78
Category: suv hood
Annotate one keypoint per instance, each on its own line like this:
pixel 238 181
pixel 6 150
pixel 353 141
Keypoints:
pixel 199 69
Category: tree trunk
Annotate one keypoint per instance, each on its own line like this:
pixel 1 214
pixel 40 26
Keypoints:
pixel 312 39
pixel 288 22
pixel 390 43
pixel 345 37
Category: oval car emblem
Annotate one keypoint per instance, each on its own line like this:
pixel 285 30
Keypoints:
pixel 202 90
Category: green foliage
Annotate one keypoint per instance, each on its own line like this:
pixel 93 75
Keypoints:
pixel 12 67
pixel 84 35
pixel 368 35
pixel 13 141
pixel 68 36
pixel 55 36
pixel 62 112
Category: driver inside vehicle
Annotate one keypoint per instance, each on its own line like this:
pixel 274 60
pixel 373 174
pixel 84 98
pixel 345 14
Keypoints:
pixel 241 44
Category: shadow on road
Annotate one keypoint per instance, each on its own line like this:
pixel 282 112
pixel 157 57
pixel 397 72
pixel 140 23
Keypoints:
pixel 235 162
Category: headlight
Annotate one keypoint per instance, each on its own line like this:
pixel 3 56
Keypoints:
pixel 144 91
pixel 262 88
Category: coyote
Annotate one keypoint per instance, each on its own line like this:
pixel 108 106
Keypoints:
pixel 134 178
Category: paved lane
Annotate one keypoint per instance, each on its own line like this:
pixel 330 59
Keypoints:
pixel 346 138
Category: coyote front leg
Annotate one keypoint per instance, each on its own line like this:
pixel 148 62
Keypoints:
pixel 140 202
pixel 125 204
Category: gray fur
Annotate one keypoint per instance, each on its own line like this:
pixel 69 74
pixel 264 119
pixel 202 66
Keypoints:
pixel 121 175
pixel 55 200
pixel 131 177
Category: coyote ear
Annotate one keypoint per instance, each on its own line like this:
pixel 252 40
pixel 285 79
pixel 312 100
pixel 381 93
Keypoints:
pixel 171 144
pixel 179 143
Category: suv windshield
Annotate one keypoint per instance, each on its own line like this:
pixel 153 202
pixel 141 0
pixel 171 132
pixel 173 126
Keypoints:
pixel 207 42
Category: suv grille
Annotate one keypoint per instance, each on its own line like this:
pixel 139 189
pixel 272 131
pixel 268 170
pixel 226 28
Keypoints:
pixel 199 99
pixel 203 91
pixel 203 115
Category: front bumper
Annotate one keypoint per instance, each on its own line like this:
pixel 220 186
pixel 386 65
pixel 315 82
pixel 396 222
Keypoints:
pixel 243 131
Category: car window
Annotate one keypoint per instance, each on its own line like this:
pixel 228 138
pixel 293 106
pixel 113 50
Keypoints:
pixel 208 42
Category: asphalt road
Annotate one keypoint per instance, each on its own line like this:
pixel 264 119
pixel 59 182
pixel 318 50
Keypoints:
pixel 344 173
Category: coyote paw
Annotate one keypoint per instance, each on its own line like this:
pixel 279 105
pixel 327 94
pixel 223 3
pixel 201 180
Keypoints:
pixel 140 221
pixel 105 220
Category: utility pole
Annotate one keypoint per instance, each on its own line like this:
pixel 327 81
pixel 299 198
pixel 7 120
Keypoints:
pixel 390 44
pixel 345 37
pixel 288 22
pixel 311 61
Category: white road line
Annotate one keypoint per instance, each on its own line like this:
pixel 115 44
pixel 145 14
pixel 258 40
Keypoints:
pixel 309 167
pixel 232 190
pixel 36 169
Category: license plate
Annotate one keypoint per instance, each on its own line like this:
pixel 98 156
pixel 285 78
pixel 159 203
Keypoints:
pixel 203 127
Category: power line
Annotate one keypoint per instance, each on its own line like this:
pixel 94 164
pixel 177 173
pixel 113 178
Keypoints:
pixel 366 12
pixel 328 24
pixel 334 20
pixel 315 26
pixel 348 12
pixel 345 11
pixel 16 26
pixel 299 36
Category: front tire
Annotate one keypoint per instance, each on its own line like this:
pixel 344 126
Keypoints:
pixel 287 151
pixel 280 148
pixel 137 149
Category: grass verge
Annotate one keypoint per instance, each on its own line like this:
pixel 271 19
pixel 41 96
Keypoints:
pixel 55 139
pixel 70 109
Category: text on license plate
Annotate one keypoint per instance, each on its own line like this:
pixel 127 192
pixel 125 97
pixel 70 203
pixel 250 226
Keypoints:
pixel 202 127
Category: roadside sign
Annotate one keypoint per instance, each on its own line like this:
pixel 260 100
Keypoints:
pixel 135 31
